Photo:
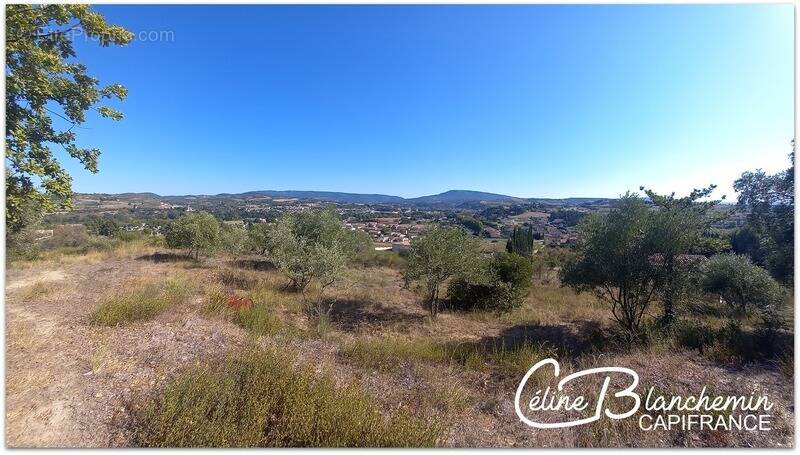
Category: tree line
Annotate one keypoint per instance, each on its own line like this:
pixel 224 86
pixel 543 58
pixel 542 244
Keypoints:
pixel 664 250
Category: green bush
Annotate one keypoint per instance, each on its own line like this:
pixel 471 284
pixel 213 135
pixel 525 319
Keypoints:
pixel 107 227
pixel 260 399
pixel 196 232
pixel 744 286
pixel 373 258
pixel 501 288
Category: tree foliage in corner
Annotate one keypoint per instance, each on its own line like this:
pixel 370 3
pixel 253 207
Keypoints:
pixel 44 83
pixel 769 203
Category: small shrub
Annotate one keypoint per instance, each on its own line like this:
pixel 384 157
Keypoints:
pixel 745 286
pixel 217 301
pixel 501 288
pixel 692 336
pixel 257 320
pixel 373 258
pixel 22 245
pixel 141 303
pixel 196 232
pixel 260 399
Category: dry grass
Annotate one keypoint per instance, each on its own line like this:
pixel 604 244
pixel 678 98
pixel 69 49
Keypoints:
pixel 263 317
pixel 387 353
pixel 261 399
pixel 238 279
pixel 38 290
pixel 94 253
pixel 551 304
pixel 453 369
pixel 258 320
pixel 140 300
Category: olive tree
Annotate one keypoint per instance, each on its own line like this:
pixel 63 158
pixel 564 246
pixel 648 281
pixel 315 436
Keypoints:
pixel 258 238
pixel 311 246
pixel 234 240
pixel 614 261
pixel 680 227
pixel 440 254
pixel 195 232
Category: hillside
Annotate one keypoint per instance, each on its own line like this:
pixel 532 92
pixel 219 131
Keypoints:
pixel 447 198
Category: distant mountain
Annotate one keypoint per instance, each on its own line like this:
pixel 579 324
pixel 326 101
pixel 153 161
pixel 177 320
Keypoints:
pixel 352 198
pixel 452 198
pixel 125 195
pixel 462 196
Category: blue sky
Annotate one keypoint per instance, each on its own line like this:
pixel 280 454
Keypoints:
pixel 527 100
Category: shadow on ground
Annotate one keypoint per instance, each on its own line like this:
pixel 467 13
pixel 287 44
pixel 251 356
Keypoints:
pixel 352 314
pixel 165 257
pixel 568 340
pixel 254 264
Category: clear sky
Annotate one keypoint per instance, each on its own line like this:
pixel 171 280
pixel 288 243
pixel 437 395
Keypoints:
pixel 528 100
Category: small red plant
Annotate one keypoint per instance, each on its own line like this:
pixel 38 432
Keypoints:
pixel 238 302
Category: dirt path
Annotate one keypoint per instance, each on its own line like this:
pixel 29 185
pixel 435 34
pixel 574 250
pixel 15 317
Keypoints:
pixel 68 383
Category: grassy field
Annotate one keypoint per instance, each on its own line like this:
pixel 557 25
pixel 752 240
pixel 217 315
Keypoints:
pixel 135 345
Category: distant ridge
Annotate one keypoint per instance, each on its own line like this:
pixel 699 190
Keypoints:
pixel 353 198
pixel 462 196
pixel 448 198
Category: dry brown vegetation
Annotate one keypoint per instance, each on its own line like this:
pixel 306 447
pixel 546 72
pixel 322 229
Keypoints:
pixel 74 379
